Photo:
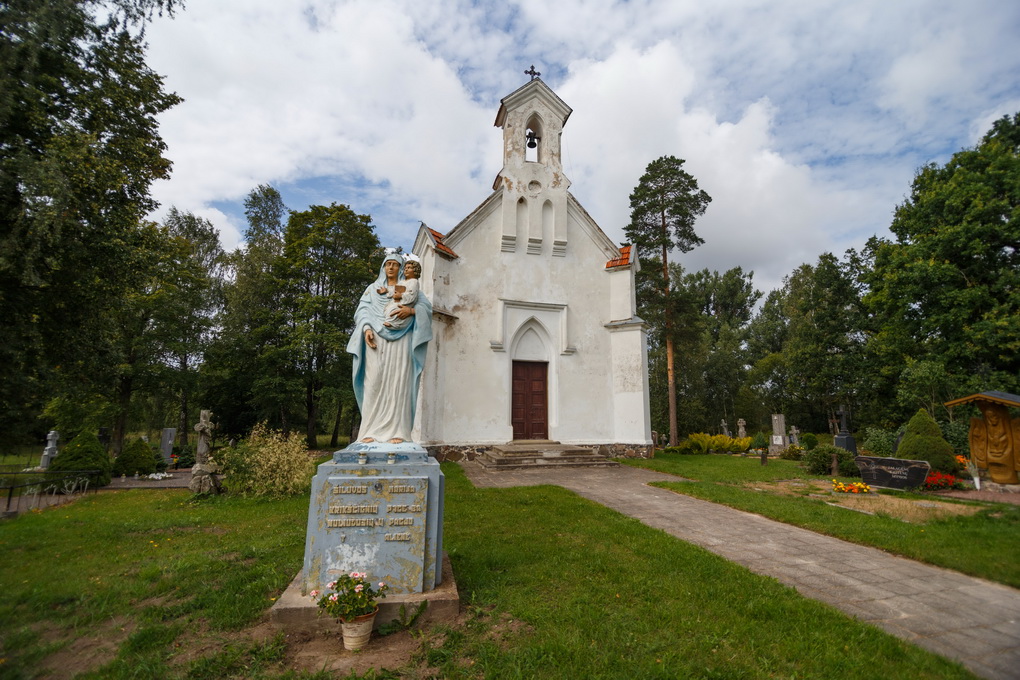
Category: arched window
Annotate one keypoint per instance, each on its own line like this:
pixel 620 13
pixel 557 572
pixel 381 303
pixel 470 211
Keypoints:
pixel 533 150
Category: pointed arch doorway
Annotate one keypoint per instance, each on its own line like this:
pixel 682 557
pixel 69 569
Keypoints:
pixel 529 397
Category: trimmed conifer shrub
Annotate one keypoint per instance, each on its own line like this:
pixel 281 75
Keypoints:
pixel 759 441
pixel 135 457
pixel 808 440
pixel 923 440
pixel 159 461
pixel 819 461
pixel 84 452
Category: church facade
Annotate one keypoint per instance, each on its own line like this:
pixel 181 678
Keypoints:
pixel 536 335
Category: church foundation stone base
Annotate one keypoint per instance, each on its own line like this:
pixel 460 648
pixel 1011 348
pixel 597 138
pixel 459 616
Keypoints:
pixel 294 612
pixel 457 454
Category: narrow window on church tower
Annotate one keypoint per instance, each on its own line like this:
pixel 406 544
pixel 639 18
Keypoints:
pixel 533 140
pixel 522 219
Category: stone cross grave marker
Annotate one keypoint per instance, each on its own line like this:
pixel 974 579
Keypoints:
pixel 50 452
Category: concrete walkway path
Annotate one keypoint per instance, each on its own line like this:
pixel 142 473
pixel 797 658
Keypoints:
pixel 967 619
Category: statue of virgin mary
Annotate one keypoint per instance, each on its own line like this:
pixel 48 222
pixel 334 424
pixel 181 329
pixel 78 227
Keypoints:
pixel 387 360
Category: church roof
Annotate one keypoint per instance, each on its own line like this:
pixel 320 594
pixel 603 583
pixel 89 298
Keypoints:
pixel 622 261
pixel 437 238
pixel 427 235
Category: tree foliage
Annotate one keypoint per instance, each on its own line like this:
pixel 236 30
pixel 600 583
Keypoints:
pixel 79 149
pixel 947 289
pixel 288 314
pixel 664 207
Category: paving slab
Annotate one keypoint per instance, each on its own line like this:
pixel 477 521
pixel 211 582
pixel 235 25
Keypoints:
pixel 967 619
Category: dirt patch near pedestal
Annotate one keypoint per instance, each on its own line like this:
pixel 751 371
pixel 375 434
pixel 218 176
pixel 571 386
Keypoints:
pixel 916 511
pixel 84 653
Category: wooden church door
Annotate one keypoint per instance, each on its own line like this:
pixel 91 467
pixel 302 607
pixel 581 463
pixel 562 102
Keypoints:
pixel 528 400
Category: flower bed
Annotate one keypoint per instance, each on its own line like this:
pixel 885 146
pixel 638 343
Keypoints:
pixel 855 487
pixel 940 481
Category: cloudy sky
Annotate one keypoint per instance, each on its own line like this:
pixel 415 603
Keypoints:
pixel 804 120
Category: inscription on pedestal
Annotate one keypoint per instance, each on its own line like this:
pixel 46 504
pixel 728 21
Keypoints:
pixel 378 510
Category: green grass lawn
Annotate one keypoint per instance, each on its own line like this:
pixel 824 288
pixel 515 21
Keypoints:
pixel 985 544
pixel 555 587
pixel 22 455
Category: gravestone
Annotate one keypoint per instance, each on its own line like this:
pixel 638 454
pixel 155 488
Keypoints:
pixel 50 452
pixel 724 428
pixel 741 428
pixel 778 442
pixel 844 439
pixel 892 473
pixel 794 436
pixel 166 443
pixel 377 508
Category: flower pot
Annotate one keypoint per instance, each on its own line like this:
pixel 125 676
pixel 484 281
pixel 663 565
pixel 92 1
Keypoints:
pixel 357 631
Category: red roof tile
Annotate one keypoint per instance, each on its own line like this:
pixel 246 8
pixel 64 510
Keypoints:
pixel 440 246
pixel 621 261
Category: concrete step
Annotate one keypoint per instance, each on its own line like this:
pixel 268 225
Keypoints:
pixel 541 454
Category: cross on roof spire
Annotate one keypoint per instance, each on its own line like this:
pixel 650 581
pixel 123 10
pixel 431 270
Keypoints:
pixel 532 72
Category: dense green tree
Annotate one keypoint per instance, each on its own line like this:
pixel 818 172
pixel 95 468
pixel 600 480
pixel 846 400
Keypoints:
pixel 725 304
pixel 825 345
pixel 664 207
pixel 280 354
pixel 79 149
pixel 186 320
pixel 926 384
pixel 807 342
pixel 248 376
pixel 767 335
pixel 947 289
pixel 328 262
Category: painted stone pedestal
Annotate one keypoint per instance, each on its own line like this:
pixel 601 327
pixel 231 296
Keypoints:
pixel 376 508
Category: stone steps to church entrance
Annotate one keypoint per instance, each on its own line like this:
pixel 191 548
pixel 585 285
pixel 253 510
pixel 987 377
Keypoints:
pixel 546 453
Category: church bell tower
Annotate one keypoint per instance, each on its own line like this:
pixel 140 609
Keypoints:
pixel 534 210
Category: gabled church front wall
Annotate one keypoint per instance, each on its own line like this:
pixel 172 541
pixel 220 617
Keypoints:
pixel 529 284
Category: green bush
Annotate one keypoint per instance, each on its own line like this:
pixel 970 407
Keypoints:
pixel 957 433
pixel 135 457
pixel 923 440
pixel 878 442
pixel 84 452
pixel 819 461
pixel 792 452
pixel 185 456
pixel 159 461
pixel 267 464
pixel 759 441
pixel 808 441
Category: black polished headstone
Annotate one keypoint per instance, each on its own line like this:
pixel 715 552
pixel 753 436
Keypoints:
pixel 892 473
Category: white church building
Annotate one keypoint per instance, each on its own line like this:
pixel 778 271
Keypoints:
pixel 536 335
